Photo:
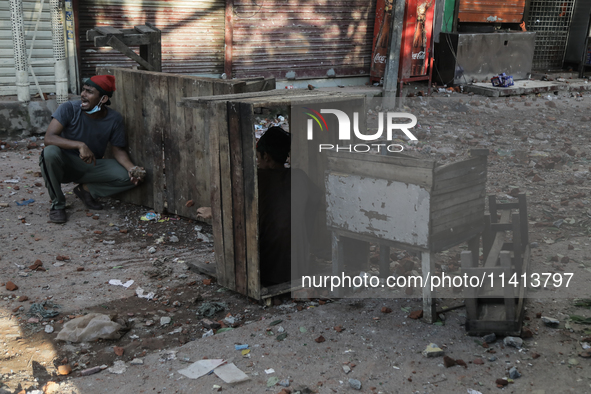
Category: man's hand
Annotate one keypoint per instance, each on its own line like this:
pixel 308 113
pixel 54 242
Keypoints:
pixel 204 213
pixel 136 174
pixel 86 155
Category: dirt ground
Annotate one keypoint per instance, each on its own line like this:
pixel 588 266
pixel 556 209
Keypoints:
pixel 538 145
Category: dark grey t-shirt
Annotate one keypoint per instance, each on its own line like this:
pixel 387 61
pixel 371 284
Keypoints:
pixel 95 133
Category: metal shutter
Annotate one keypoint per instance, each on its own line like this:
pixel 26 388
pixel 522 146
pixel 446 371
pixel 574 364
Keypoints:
pixel 42 55
pixel 192 33
pixel 275 37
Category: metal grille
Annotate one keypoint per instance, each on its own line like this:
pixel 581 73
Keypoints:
pixel 550 19
pixel 57 27
pixel 18 36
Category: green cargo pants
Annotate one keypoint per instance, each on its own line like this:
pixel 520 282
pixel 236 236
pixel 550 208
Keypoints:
pixel 106 178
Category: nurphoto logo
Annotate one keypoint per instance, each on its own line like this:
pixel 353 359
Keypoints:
pixel 386 121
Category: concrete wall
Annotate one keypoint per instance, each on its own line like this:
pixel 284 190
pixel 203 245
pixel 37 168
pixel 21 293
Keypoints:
pixel 19 120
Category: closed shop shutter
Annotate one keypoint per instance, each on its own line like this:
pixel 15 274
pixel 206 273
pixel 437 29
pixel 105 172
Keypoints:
pixel 42 53
pixel 192 33
pixel 281 38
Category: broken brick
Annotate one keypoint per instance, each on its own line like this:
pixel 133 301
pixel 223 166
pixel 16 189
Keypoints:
pixel 416 314
pixel 448 361
pixel 11 286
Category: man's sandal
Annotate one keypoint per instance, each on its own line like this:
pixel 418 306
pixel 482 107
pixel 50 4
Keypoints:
pixel 87 199
pixel 58 216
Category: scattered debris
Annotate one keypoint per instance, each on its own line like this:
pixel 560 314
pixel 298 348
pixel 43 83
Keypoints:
pixel 432 350
pixel 513 341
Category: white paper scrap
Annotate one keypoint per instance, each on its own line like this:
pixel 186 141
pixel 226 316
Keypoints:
pixel 200 368
pixel 117 282
pixel 140 293
pixel 230 373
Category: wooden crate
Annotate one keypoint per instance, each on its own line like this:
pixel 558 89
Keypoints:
pixel 169 140
pixel 405 202
pixel 446 202
pixel 234 198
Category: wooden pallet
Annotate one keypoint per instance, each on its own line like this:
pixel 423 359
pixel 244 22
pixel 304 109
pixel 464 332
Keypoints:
pixel 497 306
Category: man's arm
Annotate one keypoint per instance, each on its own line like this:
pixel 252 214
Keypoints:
pixel 53 137
pixel 122 157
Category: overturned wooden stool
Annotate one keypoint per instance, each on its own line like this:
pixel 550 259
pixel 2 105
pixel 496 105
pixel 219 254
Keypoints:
pixel 497 304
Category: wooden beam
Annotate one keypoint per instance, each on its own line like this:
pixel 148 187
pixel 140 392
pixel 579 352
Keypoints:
pixel 128 39
pixel 115 43
pixel 429 304
pixel 104 30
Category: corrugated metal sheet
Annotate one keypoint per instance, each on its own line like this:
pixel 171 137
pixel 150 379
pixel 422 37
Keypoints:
pixel 275 37
pixel 42 50
pixel 551 20
pixel 192 33
pixel 491 11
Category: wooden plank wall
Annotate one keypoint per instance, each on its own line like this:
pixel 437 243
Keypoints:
pixel 169 141
pixel 457 199
pixel 234 195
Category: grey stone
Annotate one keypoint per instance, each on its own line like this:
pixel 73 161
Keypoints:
pixel 284 383
pixel 174 239
pixel 513 341
pixel 152 250
pixel 492 359
pixel 514 374
pixel 118 367
pixel 355 384
pixel 346 369
pixel 490 338
pixel 550 322
pixel 165 320
pixel 137 361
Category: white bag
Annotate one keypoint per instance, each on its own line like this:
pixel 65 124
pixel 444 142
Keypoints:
pixel 90 328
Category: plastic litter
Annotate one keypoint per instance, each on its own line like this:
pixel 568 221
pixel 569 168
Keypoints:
pixel 26 202
pixel 200 368
pixel 90 328
pixel 38 309
pixel 140 293
pixel 502 80
pixel 208 309
pixel 240 347
pixel 230 373
pixel 117 282
pixel 150 216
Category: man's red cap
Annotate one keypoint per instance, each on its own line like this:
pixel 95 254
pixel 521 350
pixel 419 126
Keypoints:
pixel 105 84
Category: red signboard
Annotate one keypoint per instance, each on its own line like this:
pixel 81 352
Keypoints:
pixel 381 40
pixel 415 51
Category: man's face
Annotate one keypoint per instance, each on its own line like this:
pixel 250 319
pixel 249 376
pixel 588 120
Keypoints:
pixel 90 97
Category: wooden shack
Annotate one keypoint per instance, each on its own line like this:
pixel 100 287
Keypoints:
pixel 234 198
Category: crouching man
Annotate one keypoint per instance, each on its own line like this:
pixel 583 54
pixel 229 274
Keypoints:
pixel 76 141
